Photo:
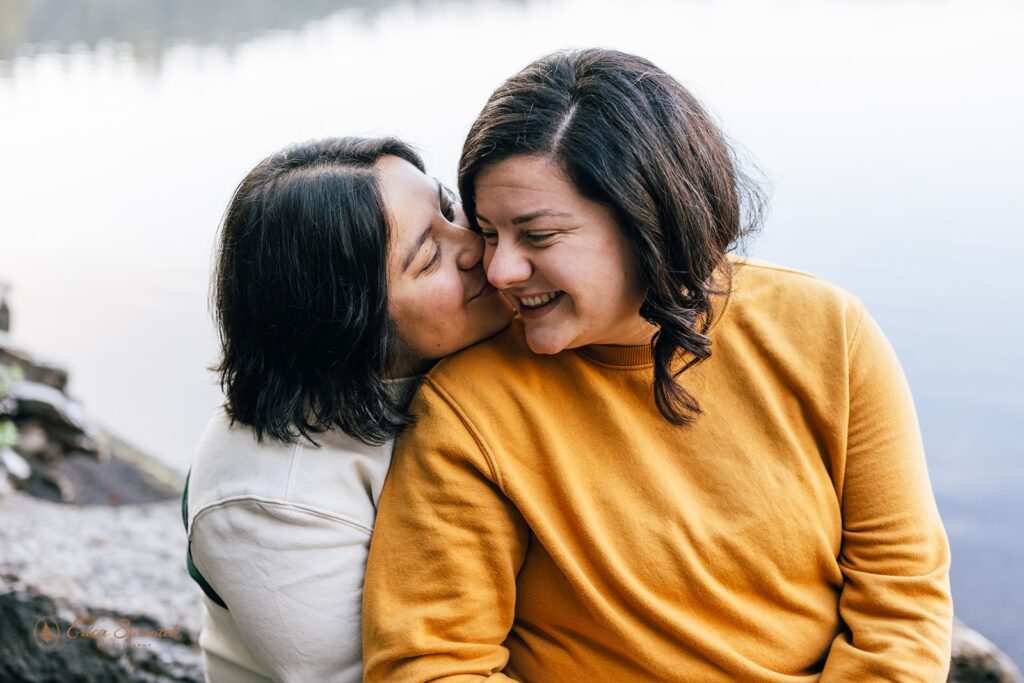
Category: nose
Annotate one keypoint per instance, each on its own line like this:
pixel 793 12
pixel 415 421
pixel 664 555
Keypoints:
pixel 506 266
pixel 469 247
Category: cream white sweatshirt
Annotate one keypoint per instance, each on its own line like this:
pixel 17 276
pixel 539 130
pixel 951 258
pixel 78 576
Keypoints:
pixel 281 532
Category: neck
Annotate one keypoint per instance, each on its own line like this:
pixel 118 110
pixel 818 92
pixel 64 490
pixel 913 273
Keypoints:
pixel 637 332
pixel 408 366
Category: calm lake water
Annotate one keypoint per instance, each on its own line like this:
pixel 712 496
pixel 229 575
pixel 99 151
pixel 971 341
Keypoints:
pixel 890 134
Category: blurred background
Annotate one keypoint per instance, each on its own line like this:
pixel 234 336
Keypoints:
pixel 890 135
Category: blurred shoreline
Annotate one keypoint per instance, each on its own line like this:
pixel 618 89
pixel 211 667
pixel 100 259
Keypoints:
pixel 93 584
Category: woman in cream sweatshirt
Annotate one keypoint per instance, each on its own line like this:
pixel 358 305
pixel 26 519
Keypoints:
pixel 343 272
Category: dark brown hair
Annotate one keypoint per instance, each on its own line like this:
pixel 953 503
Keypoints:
pixel 631 137
pixel 300 294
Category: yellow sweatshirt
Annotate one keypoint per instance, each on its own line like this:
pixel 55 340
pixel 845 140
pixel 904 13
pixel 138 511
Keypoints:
pixel 543 522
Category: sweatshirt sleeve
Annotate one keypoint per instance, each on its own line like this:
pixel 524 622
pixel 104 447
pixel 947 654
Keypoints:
pixel 447 546
pixel 895 558
pixel 292 579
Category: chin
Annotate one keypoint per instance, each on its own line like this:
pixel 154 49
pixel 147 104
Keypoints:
pixel 544 346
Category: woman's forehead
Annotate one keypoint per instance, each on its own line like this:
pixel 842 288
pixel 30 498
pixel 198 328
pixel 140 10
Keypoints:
pixel 403 186
pixel 522 185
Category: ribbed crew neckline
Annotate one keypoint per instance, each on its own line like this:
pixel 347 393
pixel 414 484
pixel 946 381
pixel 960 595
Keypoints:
pixel 622 356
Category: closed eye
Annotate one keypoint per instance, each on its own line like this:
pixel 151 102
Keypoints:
pixel 434 260
pixel 538 237
pixel 491 237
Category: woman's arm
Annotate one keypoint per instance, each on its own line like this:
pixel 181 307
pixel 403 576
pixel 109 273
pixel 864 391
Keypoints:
pixel 292 580
pixel 895 558
pixel 447 545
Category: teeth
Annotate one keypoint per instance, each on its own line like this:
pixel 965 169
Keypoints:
pixel 534 301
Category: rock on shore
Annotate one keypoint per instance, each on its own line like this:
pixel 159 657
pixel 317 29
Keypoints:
pixel 977 660
pixel 113 580
pixel 93 584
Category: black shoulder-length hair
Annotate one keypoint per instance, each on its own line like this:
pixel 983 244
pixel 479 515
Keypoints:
pixel 631 137
pixel 300 294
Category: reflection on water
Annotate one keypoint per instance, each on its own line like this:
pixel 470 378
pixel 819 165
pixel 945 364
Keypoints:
pixel 890 132
pixel 148 27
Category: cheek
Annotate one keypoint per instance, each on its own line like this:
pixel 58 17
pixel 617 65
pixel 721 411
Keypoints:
pixel 577 274
pixel 441 304
pixel 600 287
pixel 419 312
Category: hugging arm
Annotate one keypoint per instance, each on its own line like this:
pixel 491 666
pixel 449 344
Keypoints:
pixel 895 601
pixel 447 546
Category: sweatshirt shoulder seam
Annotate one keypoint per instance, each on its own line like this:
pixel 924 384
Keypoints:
pixel 470 427
pixel 310 510
pixel 855 336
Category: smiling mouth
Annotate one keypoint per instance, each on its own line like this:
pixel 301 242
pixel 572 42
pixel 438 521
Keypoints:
pixel 534 302
pixel 535 306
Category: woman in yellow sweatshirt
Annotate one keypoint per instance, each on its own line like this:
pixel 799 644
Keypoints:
pixel 674 465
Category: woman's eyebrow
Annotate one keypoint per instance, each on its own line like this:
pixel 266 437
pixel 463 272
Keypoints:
pixel 527 217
